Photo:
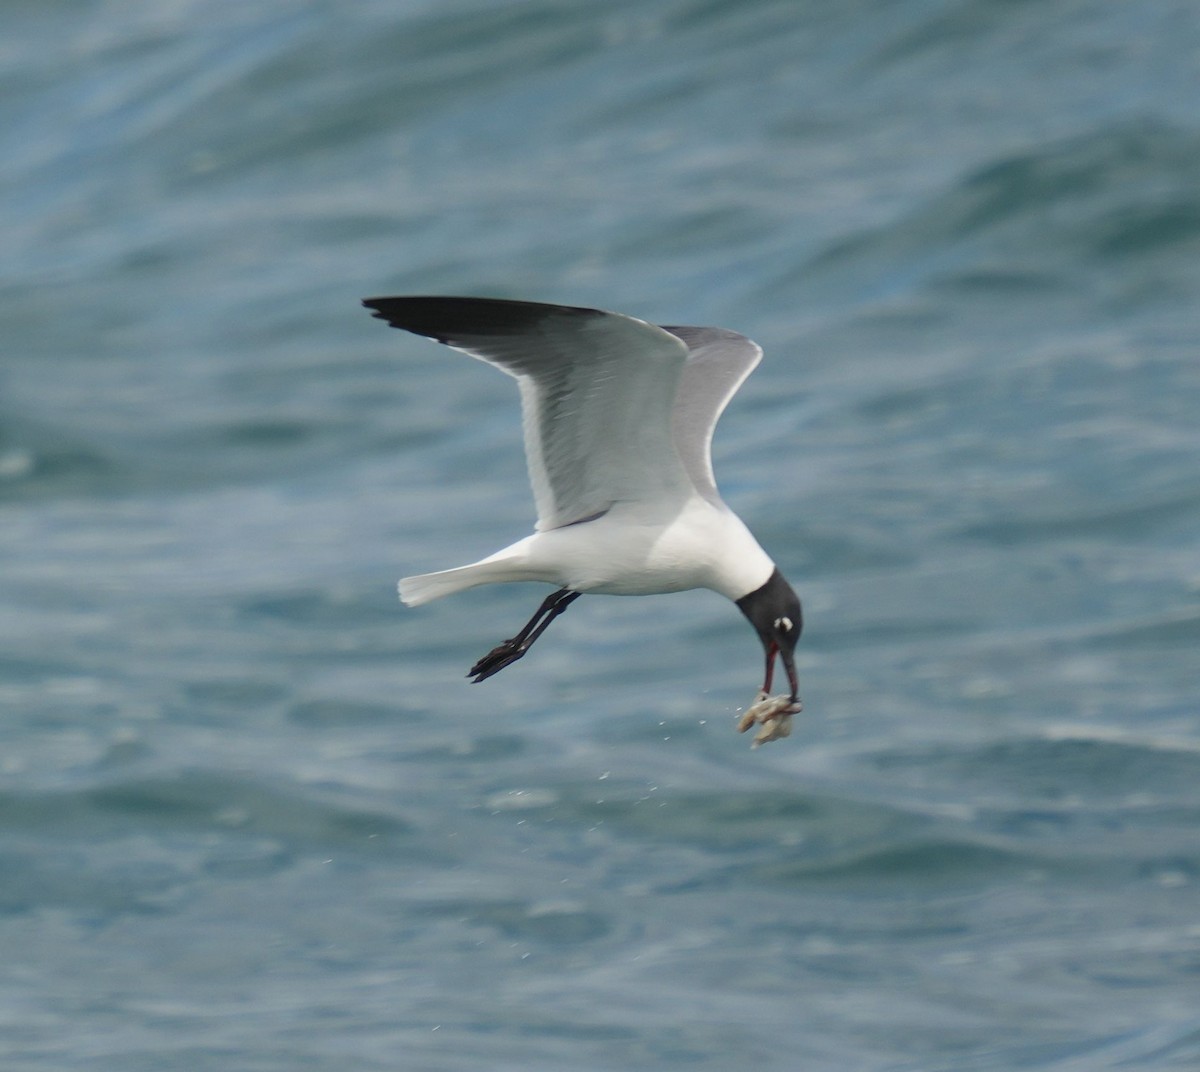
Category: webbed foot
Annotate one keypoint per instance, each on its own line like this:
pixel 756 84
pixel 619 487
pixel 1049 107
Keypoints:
pixel 503 654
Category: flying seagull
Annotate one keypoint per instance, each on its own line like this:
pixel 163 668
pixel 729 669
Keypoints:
pixel 618 416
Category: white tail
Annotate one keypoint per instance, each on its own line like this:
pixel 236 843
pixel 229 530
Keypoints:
pixel 429 586
pixel 495 569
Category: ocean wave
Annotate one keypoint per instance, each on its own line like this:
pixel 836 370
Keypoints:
pixel 1030 221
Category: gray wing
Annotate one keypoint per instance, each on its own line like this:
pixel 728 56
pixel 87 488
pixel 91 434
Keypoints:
pixel 717 365
pixel 597 391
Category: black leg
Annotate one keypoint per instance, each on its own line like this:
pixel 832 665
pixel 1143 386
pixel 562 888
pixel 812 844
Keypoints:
pixel 511 650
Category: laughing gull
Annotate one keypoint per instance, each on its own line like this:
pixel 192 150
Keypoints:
pixel 618 418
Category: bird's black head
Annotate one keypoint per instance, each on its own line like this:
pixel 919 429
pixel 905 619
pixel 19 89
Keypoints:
pixel 774 611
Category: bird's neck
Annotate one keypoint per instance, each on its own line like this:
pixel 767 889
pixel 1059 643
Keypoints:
pixel 743 566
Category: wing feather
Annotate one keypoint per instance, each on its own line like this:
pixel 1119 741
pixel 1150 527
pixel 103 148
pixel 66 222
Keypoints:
pixel 717 365
pixel 597 391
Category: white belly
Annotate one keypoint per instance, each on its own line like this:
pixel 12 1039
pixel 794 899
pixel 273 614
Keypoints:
pixel 625 553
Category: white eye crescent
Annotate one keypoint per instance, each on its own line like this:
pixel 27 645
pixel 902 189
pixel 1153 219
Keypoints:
pixel 784 623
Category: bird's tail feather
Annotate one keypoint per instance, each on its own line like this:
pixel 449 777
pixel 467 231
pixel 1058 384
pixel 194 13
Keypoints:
pixel 430 586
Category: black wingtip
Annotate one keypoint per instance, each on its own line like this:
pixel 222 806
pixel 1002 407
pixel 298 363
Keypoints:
pixel 445 318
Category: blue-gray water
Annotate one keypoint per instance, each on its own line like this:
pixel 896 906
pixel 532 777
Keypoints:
pixel 252 817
